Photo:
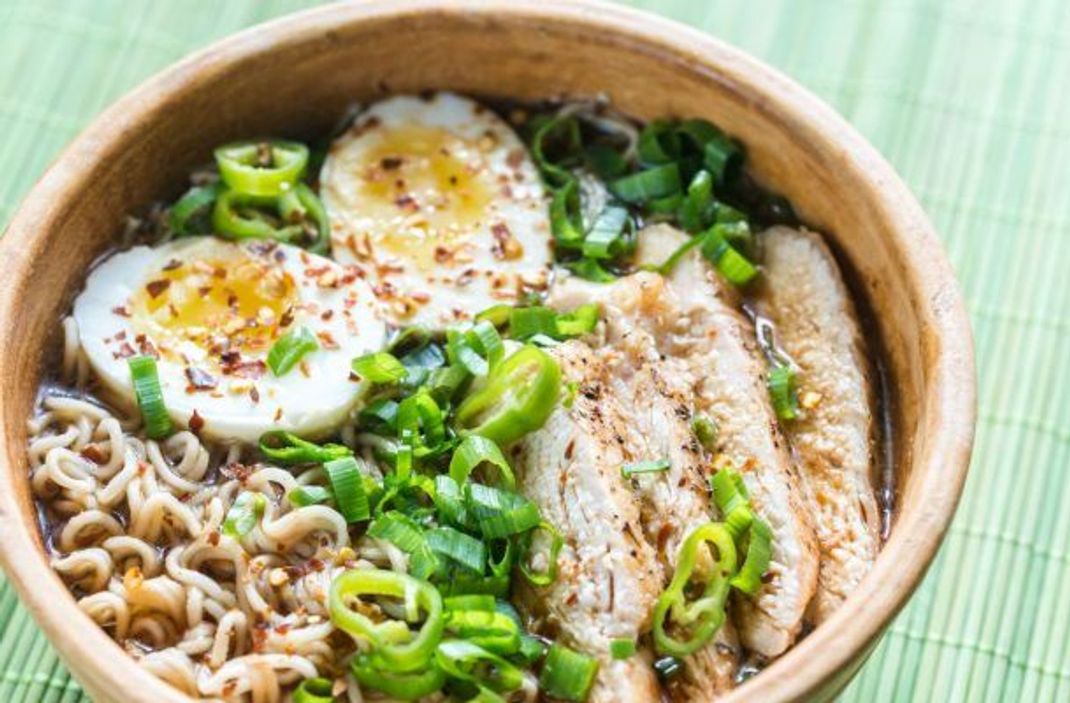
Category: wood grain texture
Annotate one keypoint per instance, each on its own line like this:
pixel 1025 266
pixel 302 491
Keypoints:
pixel 296 75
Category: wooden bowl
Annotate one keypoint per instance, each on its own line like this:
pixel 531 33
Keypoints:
pixel 296 76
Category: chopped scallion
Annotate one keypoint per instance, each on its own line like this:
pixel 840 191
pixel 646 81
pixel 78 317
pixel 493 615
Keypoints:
pixel 379 367
pixel 644 467
pixel 622 648
pixel 347 484
pixel 289 349
pixel 567 674
pixel 146 382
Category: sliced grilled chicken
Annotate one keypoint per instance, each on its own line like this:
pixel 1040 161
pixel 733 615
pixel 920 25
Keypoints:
pixel 693 315
pixel 609 576
pixel 816 325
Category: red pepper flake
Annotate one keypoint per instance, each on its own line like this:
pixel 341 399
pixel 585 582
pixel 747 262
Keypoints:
pixel 287 317
pixel 196 422
pixel 172 265
pixel 406 203
pixel 354 377
pixel 514 158
pixel 278 414
pixel 420 296
pixel 442 254
pixel 327 315
pixel 121 311
pixel 199 379
pixel 389 163
pixel 213 538
pixel 327 340
pixel 145 346
pixel 204 290
pixel 254 394
pixel 505 244
pixel 231 363
pixel 125 351
pixel 237 471
pixel 155 288
pixel 120 336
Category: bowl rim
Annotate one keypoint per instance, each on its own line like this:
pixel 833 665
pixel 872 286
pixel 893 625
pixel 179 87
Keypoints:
pixel 853 629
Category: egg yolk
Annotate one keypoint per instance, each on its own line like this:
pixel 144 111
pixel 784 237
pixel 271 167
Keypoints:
pixel 428 181
pixel 240 300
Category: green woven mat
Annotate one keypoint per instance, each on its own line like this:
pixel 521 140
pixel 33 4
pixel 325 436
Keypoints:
pixel 970 100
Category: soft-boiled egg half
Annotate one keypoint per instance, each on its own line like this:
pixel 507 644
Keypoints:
pixel 210 311
pixel 440 205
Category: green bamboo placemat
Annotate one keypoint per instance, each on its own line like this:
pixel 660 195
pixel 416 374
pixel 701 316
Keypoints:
pixel 970 100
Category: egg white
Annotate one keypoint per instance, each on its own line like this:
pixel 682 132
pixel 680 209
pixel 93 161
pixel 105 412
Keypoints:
pixel 234 396
pixel 437 200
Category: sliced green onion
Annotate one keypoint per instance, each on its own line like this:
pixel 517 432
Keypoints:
pixel 781 384
pixel 566 217
pixel 500 513
pixel 531 650
pixel 381 414
pixel 540 578
pixel 449 501
pixel 475 451
pixel 729 491
pixel 317 690
pixel 393 643
pixel 486 340
pixel 577 322
pixel 528 322
pixel 458 546
pixel 146 382
pixel 605 161
pixel 288 449
pixel 519 396
pixel 658 143
pixel 759 553
pixel 191 214
pixel 379 367
pixel 567 674
pixel 244 513
pixel 466 661
pixel 728 261
pixel 308 495
pixel 405 686
pixel 290 349
pixel 419 413
pixel 696 208
pixel 443 384
pixel 622 648
pixel 606 238
pixel 242 166
pixel 561 135
pixel 497 315
pixel 705 431
pixel 699 619
pixel 644 467
pixel 651 184
pixel 406 535
pixel 490 629
pixel 347 484
pixel 590 270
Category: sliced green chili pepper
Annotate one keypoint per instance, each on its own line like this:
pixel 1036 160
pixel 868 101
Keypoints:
pixel 288 449
pixel 240 215
pixel 408 686
pixel 699 619
pixel 261 168
pixel 301 206
pixel 540 578
pixel 519 395
pixel 393 643
pixel 191 214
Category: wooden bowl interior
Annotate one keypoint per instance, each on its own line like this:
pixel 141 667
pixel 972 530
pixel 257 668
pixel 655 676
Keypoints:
pixel 296 79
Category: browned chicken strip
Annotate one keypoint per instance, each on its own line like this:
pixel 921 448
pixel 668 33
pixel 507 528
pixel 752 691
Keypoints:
pixel 817 326
pixel 694 317
pixel 609 576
